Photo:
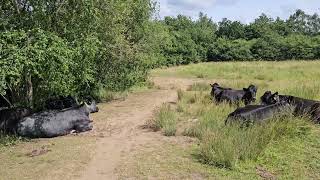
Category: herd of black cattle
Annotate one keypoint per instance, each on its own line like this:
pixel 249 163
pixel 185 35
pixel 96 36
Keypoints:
pixel 64 114
pixel 61 116
pixel 272 105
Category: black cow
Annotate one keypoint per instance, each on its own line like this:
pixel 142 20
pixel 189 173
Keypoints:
pixel 268 98
pixel 258 113
pixel 216 90
pixel 10 117
pixel 302 106
pixel 247 95
pixel 61 103
pixel 57 123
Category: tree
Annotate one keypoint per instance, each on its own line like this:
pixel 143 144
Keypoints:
pixel 231 29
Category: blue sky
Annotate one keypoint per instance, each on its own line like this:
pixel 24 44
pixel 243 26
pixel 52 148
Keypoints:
pixel 242 10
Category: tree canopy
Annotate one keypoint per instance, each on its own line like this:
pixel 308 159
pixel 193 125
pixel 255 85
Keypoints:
pixel 80 47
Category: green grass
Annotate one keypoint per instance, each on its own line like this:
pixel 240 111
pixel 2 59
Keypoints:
pixel 165 119
pixel 287 147
pixel 298 78
pixel 9 140
pixel 199 87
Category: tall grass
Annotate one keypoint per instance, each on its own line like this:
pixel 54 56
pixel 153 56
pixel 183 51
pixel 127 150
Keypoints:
pixel 227 145
pixel 199 87
pixel 166 120
pixel 224 146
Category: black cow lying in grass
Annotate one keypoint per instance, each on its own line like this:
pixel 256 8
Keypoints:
pixel 10 117
pixel 247 95
pixel 302 107
pixel 60 103
pixel 57 123
pixel 258 113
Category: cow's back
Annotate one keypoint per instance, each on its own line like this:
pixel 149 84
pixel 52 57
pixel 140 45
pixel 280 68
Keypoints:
pixel 51 123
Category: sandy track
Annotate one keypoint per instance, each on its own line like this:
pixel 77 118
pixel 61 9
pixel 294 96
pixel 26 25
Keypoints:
pixel 120 126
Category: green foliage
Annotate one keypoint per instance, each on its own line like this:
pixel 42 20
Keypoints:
pixel 226 50
pixel 51 48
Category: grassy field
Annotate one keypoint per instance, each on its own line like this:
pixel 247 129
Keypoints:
pixel 299 78
pixel 285 148
pixel 194 143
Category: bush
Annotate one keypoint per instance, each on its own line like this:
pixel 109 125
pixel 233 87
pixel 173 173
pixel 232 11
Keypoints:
pixel 298 47
pixel 227 50
pixel 39 62
pixel 267 48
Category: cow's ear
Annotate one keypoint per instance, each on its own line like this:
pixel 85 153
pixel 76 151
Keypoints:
pixel 245 89
pixel 276 93
pixel 211 85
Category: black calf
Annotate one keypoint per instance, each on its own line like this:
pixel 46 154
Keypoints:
pixel 10 117
pixel 61 103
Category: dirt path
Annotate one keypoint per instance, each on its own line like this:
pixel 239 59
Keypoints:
pixel 120 126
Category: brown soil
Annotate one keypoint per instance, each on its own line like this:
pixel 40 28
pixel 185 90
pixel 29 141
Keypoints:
pixel 121 127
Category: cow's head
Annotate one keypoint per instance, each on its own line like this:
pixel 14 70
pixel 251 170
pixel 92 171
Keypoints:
pixel 92 106
pixel 214 85
pixel 269 98
pixel 215 89
pixel 249 94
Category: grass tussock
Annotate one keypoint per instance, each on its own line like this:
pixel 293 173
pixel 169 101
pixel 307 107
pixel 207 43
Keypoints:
pixel 225 146
pixel 166 120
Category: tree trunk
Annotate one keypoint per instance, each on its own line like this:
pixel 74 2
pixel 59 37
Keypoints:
pixel 29 90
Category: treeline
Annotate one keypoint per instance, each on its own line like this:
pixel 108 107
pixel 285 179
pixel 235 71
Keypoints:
pixel 265 38
pixel 82 47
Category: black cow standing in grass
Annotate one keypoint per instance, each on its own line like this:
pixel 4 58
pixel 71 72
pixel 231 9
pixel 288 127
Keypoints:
pixel 10 117
pixel 57 123
pixel 302 107
pixel 247 95
pixel 216 90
